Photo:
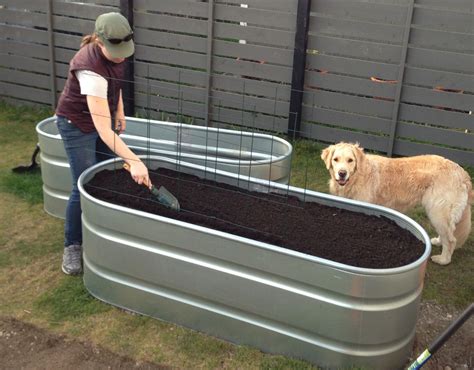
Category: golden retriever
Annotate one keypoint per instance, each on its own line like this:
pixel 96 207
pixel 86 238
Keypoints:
pixel 441 186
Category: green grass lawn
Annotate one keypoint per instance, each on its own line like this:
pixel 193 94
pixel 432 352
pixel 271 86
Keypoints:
pixel 33 288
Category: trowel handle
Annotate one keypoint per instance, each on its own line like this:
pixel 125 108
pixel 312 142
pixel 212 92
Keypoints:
pixel 126 166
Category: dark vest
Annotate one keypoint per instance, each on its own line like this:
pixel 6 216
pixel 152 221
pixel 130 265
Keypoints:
pixel 71 103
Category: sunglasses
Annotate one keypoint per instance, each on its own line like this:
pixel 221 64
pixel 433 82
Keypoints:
pixel 118 41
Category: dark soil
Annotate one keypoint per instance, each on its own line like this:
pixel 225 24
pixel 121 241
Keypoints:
pixel 339 235
pixel 24 346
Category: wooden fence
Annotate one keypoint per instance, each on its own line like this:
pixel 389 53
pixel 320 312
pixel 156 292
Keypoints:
pixel 395 75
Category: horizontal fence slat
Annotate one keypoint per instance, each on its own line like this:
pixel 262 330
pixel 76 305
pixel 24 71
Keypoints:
pixel 181 7
pixel 175 57
pixel 458 5
pixel 435 98
pixel 253 52
pixel 371 51
pixel 346 84
pixel 164 104
pixel 25 49
pixel 271 90
pixel 73 25
pixel 34 80
pixel 249 120
pixel 262 18
pixel 435 116
pixel 280 5
pixel 356 30
pixel 408 148
pixel 62 40
pixel 355 67
pixel 460 139
pixel 26 19
pixel 334 135
pixel 255 35
pixel 24 63
pixel 62 70
pixel 432 78
pixel 170 40
pixel 171 90
pixel 113 3
pixel 449 41
pixel 64 55
pixel 252 70
pixel 31 5
pixel 170 23
pixel 443 20
pixel 169 73
pixel 349 103
pixel 81 10
pixel 362 11
pixel 16 101
pixel 25 93
pixel 250 103
pixel 346 120
pixel 441 60
pixel 23 34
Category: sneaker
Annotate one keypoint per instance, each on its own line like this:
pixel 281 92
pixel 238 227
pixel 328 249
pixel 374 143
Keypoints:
pixel 72 260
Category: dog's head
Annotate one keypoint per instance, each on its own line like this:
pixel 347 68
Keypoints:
pixel 342 161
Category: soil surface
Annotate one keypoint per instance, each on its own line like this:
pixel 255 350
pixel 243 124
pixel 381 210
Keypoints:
pixel 458 351
pixel 351 238
pixel 24 346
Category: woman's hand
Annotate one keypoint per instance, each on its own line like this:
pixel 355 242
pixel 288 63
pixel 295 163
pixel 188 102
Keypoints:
pixel 120 125
pixel 139 173
pixel 120 122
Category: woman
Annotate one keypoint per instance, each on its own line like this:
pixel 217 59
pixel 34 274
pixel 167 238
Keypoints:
pixel 89 104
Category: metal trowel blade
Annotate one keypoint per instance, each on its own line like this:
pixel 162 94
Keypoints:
pixel 165 197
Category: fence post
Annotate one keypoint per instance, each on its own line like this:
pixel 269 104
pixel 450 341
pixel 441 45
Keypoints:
pixel 128 88
pixel 401 74
pixel 299 64
pixel 210 35
pixel 52 58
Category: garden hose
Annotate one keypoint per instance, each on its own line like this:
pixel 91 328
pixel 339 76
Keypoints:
pixel 33 166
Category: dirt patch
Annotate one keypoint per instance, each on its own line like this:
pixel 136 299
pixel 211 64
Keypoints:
pixel 339 235
pixel 458 352
pixel 24 346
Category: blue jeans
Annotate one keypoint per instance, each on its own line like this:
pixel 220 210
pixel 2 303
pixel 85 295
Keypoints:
pixel 83 151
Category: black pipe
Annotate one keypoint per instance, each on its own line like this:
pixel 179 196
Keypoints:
pixel 438 342
pixel 299 65
pixel 128 87
pixel 451 329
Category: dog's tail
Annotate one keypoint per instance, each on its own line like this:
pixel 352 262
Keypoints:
pixel 463 227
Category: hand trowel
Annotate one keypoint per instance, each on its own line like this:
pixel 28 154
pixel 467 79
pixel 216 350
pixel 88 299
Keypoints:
pixel 161 194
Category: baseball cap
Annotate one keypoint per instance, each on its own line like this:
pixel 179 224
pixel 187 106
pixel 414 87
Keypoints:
pixel 115 33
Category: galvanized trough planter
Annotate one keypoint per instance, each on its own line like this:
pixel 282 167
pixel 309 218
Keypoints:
pixel 249 292
pixel 252 154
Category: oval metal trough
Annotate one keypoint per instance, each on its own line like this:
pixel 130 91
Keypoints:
pixel 246 153
pixel 248 292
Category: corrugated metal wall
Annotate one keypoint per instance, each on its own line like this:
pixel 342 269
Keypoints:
pixel 395 75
